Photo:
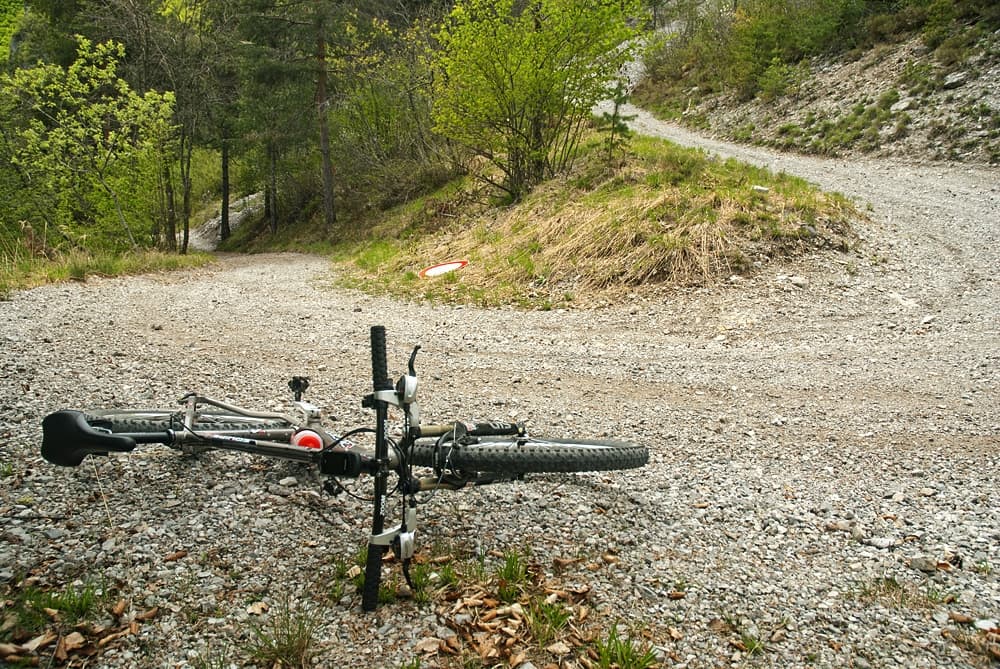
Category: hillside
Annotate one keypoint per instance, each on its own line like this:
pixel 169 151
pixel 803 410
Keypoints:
pixel 896 99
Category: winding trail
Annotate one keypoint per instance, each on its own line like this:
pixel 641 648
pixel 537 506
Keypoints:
pixel 942 221
pixel 809 441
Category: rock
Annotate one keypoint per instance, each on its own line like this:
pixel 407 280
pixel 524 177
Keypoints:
pixel 955 80
pixel 924 563
pixel 288 482
pixel 881 542
pixel 903 105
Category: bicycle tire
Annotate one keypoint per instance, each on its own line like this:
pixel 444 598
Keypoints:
pixel 532 456
pixel 159 420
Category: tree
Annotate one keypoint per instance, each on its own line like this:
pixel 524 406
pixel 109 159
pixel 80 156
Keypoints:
pixel 517 80
pixel 83 141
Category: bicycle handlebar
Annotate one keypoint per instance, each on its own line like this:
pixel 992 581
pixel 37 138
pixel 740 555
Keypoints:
pixel 67 439
pixel 380 368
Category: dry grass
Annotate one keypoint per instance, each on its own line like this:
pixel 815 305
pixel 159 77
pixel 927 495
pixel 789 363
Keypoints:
pixel 665 219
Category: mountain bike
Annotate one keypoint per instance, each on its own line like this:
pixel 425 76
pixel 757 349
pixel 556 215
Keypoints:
pixel 449 456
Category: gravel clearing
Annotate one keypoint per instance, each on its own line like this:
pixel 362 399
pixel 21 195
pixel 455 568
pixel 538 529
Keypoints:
pixel 824 439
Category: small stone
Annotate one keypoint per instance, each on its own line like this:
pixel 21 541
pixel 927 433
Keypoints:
pixel 901 106
pixel 923 563
pixel 881 542
pixel 288 482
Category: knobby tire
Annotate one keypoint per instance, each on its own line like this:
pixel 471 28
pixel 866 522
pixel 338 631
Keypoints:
pixel 526 456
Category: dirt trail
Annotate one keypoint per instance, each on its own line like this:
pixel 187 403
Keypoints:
pixel 941 221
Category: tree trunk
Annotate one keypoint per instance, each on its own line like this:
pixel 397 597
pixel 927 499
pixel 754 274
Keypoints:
pixel 272 186
pixel 329 213
pixel 224 229
pixel 185 169
pixel 170 234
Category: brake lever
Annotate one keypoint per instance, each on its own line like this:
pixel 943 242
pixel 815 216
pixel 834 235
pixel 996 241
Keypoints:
pixel 413 359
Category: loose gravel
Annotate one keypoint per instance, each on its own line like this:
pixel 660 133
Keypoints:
pixel 824 439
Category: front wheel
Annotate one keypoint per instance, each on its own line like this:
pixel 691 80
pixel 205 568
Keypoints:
pixel 531 456
pixel 159 420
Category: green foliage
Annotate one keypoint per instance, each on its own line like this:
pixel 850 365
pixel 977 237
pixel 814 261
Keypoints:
pixel 623 653
pixel 546 619
pixel 511 576
pixel 74 604
pixel 86 148
pixel 516 81
pixel 287 636
pixel 10 12
pixel 615 125
pixel 381 128
pixel 755 48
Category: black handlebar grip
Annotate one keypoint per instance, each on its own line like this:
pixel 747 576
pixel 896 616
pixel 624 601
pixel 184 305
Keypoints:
pixel 373 577
pixel 380 368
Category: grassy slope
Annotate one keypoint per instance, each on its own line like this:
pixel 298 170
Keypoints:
pixel 20 270
pixel 667 215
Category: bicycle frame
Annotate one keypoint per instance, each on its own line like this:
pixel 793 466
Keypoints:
pixel 505 451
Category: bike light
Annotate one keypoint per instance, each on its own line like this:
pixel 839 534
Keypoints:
pixel 307 439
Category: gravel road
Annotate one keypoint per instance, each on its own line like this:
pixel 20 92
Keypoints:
pixel 824 439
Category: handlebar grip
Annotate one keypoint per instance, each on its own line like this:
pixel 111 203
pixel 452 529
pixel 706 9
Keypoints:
pixel 380 368
pixel 67 438
pixel 373 577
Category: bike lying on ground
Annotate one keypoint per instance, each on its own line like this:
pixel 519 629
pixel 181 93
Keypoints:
pixel 456 454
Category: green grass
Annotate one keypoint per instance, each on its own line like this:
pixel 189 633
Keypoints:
pixel 19 270
pixel 668 215
pixel 287 637
pixel 893 593
pixel 546 619
pixel 29 608
pixel 617 652
pixel 511 576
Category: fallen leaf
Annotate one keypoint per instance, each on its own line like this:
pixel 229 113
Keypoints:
pixel 675 633
pixel 258 608
pixel 677 594
pixel 559 648
pixel 428 645
pixel 112 637
pixel 73 640
pixel 38 643
pixel 718 625
pixel 119 608
pixel 7 649
pixel 51 613
pixel 148 615
pixel 354 572
pixel 701 505
pixel 175 556
pixel 518 658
